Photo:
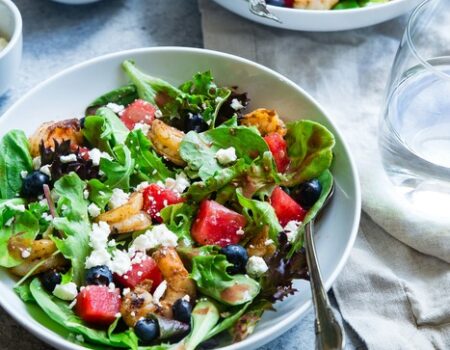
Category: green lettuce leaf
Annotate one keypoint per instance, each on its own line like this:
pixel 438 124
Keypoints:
pixel 14 158
pixel 123 96
pixel 178 219
pixel 310 148
pixel 119 170
pixel 105 130
pixel 209 272
pixel 60 312
pixel 99 193
pixel 199 150
pixel 149 166
pixel 258 215
pixel 73 222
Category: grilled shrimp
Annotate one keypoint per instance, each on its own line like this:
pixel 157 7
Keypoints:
pixel 128 217
pixel 266 120
pixel 138 303
pixel 166 141
pixel 52 132
pixel 33 253
pixel 179 284
pixel 315 4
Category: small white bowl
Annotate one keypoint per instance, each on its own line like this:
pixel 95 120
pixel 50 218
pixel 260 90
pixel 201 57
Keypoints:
pixel 10 56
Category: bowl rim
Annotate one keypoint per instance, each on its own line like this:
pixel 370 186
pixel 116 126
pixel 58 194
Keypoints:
pixel 337 12
pixel 17 27
pixel 53 338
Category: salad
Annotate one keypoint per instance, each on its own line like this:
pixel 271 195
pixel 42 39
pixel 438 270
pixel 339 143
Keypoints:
pixel 325 4
pixel 165 218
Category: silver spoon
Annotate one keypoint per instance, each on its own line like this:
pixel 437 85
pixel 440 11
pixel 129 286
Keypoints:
pixel 329 332
pixel 259 8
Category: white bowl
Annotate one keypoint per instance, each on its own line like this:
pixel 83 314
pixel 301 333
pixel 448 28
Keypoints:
pixel 10 56
pixel 76 2
pixel 324 21
pixel 68 93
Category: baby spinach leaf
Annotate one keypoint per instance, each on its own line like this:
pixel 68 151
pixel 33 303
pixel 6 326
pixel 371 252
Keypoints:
pixel 121 96
pixel 118 171
pixel 60 312
pixel 149 166
pixel 204 318
pixel 258 215
pixel 310 146
pixel 24 224
pixel 209 272
pixel 24 292
pixel 199 150
pixel 73 222
pixel 178 219
pixel 14 158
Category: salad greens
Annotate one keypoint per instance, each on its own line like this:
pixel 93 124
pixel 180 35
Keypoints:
pixel 132 239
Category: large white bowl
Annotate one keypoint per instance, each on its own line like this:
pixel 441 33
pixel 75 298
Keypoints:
pixel 68 93
pixel 10 56
pixel 324 21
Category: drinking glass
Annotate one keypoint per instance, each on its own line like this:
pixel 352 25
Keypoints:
pixel 414 135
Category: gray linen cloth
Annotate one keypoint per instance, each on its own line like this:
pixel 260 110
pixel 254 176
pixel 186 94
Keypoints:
pixel 395 289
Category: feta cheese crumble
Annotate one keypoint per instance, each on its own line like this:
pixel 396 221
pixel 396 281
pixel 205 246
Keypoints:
pixel 120 263
pixel 95 155
pixel 26 253
pixel 116 108
pixel 16 207
pixel 226 155
pixel 68 158
pixel 66 291
pixel 158 114
pixel 291 229
pixel 179 184
pixel 159 292
pixel 256 266
pixel 37 163
pixel 236 104
pixel 158 235
pixel 118 198
pixel 23 174
pixel 93 210
pixel 142 186
pixel 46 170
pixel 145 128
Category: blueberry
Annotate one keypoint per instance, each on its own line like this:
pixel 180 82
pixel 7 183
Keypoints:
pixel 99 275
pixel 147 330
pixel 279 3
pixel 307 193
pixel 195 123
pixel 33 184
pixel 182 310
pixel 50 279
pixel 236 255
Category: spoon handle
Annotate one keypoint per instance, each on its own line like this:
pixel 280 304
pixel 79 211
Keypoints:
pixel 259 8
pixel 329 333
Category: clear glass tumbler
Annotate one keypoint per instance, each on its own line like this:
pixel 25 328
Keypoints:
pixel 414 133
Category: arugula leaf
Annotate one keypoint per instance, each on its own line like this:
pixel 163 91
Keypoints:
pixel 149 166
pixel 105 130
pixel 199 150
pixel 258 215
pixel 60 312
pixel 14 158
pixel 118 171
pixel 25 224
pixel 209 272
pixel 99 193
pixel 310 146
pixel 73 222
pixel 178 219
pixel 202 189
